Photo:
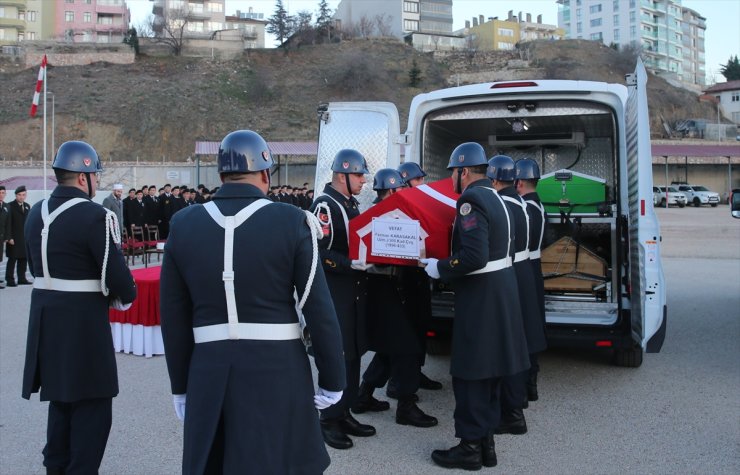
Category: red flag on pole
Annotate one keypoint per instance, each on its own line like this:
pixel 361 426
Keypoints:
pixel 39 83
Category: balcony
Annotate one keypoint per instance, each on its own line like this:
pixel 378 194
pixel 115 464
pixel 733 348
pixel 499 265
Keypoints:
pixel 110 7
pixel 108 27
pixel 19 25
pixel 13 3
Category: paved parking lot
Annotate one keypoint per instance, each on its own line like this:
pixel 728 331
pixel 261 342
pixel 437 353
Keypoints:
pixel 678 413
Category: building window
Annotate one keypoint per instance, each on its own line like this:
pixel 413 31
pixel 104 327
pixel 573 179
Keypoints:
pixel 596 22
pixel 596 36
pixel 105 20
pixel 616 34
pixel 615 5
pixel 579 27
pixel 69 1
pixel 214 26
pixel 21 36
pixel 31 35
pixel 31 16
pixel 578 14
pixel 595 8
pixel 504 45
pixel 411 25
pixel 69 17
pixel 214 7
pixel 632 3
pixel 88 2
pixel 578 3
pixel 616 20
pixel 632 17
pixel 505 32
pixel 87 17
pixel 411 7
pixel 633 31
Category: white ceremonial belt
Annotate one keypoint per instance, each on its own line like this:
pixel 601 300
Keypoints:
pixel 534 254
pixel 64 285
pixel 521 256
pixel 248 331
pixel 493 266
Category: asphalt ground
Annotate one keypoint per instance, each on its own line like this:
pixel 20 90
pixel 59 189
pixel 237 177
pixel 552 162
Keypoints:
pixel 678 413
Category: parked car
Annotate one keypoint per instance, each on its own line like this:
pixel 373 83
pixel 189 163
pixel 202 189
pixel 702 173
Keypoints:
pixel 698 195
pixel 675 197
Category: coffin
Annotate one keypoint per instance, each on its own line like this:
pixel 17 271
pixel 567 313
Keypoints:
pixel 432 205
pixel 562 273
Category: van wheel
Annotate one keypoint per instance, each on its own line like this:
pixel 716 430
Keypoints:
pixel 438 347
pixel 681 205
pixel 629 358
pixel 697 202
pixel 662 203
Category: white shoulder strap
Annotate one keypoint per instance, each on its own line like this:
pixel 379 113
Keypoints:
pixel 541 209
pixel 47 219
pixel 230 223
pixel 508 219
pixel 344 217
pixel 519 201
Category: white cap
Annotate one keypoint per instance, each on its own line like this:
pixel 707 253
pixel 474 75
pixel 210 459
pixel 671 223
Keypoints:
pixel 118 186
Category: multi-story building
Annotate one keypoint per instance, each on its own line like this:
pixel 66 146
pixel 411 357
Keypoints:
pixel 251 27
pixel 203 16
pixel 495 34
pixel 728 96
pixel 657 26
pixel 101 21
pixel 401 17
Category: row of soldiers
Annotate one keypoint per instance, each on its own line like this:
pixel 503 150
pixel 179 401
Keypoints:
pixel 300 197
pixel 499 303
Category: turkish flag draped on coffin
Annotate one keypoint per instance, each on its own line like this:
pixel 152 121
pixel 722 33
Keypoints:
pixel 433 205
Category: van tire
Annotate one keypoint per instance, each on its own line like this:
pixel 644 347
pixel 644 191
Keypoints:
pixel 628 357
pixel 681 205
pixel 697 202
pixel 438 347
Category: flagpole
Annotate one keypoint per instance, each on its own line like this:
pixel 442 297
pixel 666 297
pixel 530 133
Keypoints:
pixel 45 157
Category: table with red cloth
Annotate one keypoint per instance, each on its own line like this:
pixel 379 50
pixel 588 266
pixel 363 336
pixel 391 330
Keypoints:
pixel 137 329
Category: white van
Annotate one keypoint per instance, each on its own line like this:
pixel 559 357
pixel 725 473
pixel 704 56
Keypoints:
pixel 574 128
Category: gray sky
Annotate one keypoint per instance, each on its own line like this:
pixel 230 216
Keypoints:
pixel 723 18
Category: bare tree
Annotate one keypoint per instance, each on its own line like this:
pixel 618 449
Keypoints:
pixel 435 41
pixel 383 24
pixel 170 29
pixel 365 27
pixel 472 45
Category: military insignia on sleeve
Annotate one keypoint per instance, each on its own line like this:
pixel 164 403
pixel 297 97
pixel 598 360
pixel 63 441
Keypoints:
pixel 454 262
pixel 330 263
pixel 465 209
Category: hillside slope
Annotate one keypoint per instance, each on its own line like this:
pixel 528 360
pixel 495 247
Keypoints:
pixel 158 107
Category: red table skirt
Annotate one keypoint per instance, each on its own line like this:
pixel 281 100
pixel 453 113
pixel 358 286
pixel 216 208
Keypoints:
pixel 145 309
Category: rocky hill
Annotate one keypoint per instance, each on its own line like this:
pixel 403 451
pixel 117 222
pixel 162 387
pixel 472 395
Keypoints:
pixel 158 107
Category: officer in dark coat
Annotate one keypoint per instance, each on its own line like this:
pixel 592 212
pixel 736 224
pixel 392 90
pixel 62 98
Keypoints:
pixel 488 339
pixel 167 207
pixel 69 352
pixel 348 286
pixel 16 244
pixel 394 330
pixel 4 226
pixel 527 176
pixel 136 210
pixel 236 357
pixel 513 388
pixel 151 210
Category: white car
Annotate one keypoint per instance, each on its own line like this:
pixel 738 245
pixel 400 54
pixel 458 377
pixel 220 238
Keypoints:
pixel 699 195
pixel 675 197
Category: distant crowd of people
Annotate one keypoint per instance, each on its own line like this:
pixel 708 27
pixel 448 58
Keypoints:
pixel 300 197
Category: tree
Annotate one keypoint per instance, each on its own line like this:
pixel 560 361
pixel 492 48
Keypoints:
pixel 731 70
pixel 132 39
pixel 365 27
pixel 280 23
pixel 324 19
pixel 170 30
pixel 383 23
pixel 414 74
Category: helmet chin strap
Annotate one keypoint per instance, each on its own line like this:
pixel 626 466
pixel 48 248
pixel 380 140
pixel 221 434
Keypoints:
pixel 89 185
pixel 459 180
pixel 349 189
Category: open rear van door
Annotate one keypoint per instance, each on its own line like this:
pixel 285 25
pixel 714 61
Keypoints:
pixel 371 128
pixel 647 283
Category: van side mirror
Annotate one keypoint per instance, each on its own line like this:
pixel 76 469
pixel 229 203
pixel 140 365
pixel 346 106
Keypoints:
pixel 735 205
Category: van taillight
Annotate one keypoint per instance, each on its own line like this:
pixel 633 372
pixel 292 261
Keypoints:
pixel 431 334
pixel 604 343
pixel 503 85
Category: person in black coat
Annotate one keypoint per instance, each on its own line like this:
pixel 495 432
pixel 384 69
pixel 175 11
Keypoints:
pixel 4 226
pixel 501 171
pixel 348 286
pixel 239 372
pixel 488 340
pixel 167 207
pixel 69 351
pixel 126 201
pixel 527 176
pixel 136 210
pixel 394 329
pixel 16 242
pixel 151 207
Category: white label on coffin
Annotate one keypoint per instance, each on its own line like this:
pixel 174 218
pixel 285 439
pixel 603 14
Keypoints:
pixel 393 216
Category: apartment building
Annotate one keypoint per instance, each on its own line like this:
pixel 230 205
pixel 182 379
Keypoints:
pixel 495 34
pixel 250 26
pixel 671 36
pixel 203 16
pixel 403 17
pixel 99 21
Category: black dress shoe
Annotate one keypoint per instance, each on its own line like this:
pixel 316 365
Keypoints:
pixel 465 455
pixel 409 414
pixel 367 403
pixel 392 392
pixel 54 471
pixel 426 383
pixel 512 423
pixel 24 282
pixel 488 451
pixel 11 283
pixel 333 435
pixel 350 425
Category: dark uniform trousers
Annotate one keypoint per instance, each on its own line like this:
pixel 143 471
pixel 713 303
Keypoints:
pixel 402 369
pixel 80 450
pixel 476 407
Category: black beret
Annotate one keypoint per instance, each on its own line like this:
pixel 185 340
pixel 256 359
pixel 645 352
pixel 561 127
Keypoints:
pixel 20 189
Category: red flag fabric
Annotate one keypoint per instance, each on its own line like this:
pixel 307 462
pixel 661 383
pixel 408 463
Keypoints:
pixel 39 83
pixel 433 205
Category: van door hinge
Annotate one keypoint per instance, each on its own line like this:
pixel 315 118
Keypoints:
pixel 631 79
pixel 403 139
pixel 323 112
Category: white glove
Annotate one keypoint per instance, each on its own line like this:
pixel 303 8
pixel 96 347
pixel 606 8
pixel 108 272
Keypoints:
pixel 179 400
pixel 118 305
pixel 431 267
pixel 359 265
pixel 324 398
